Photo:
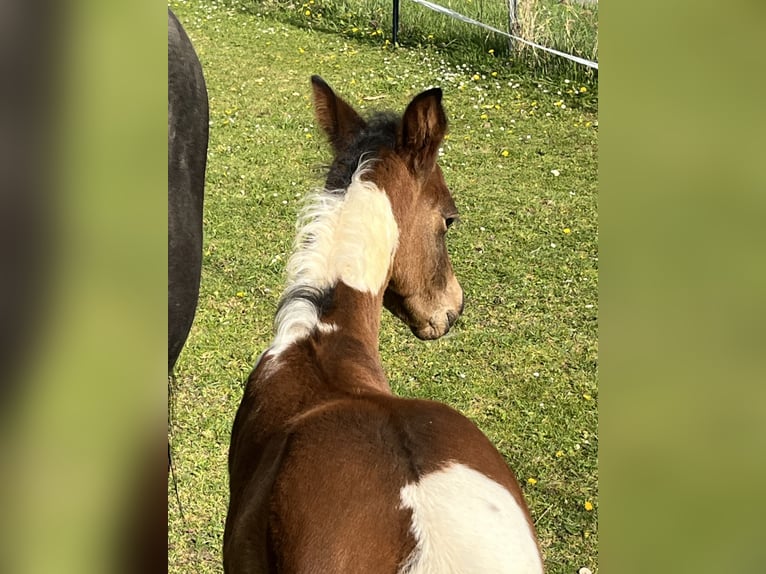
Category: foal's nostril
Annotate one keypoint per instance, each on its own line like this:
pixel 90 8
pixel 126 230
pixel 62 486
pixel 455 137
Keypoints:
pixel 451 317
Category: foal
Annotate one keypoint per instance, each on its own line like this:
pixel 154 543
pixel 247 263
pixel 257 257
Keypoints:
pixel 329 472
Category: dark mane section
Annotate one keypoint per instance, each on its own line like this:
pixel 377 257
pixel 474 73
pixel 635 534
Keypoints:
pixel 322 299
pixel 379 133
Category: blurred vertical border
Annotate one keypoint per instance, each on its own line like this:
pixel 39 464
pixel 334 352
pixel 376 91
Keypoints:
pixel 682 287
pixel 83 285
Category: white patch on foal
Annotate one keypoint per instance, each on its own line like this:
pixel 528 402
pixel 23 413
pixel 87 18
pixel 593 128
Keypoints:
pixel 350 237
pixel 465 523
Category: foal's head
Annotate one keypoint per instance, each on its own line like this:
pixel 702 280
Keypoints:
pixel 402 151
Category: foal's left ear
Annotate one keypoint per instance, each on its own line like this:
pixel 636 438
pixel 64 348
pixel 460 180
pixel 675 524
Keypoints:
pixel 338 119
pixel 423 128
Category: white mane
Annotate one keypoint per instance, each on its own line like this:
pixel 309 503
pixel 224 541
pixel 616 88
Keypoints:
pixel 349 236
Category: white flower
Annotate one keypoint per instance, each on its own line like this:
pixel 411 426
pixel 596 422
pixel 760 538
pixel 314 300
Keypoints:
pixel 555 172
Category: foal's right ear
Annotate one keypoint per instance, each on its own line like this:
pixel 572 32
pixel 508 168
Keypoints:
pixel 423 128
pixel 338 119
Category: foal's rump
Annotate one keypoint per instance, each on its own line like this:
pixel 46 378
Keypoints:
pixel 383 485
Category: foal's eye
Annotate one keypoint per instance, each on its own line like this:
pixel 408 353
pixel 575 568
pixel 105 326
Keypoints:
pixel 448 221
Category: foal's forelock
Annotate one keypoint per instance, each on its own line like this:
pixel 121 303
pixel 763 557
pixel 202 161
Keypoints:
pixel 347 236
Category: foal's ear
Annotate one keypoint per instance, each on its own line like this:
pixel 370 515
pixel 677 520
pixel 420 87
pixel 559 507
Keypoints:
pixel 423 128
pixel 339 120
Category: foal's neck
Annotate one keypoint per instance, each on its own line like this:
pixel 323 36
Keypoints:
pixel 336 280
pixel 348 351
pixel 356 314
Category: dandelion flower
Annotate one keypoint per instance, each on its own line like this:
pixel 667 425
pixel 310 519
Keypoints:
pixel 588 505
pixel 505 153
pixel 476 77
pixel 532 481
pixel 559 453
pixel 583 89
pixel 567 231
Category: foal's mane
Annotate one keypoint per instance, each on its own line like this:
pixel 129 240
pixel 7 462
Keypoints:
pixel 332 226
pixel 379 132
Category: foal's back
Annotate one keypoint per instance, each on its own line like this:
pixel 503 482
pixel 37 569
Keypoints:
pixel 382 485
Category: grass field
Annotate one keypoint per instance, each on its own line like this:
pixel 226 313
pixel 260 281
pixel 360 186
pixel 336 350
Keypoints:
pixel 521 159
pixel 566 25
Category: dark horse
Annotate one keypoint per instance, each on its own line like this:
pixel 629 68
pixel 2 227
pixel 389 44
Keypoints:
pixel 329 471
pixel 187 155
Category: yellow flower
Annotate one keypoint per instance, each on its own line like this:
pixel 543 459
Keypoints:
pixel 484 116
pixel 240 294
pixel 301 50
pixel 505 153
pixel 491 51
pixel 532 481
pixel 308 12
pixel 494 74
pixel 476 77
pixel 309 136
pixel 559 453
pixel 583 89
pixel 588 505
pixel 587 397
pixel 567 231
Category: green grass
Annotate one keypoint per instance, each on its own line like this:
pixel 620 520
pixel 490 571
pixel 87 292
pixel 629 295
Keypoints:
pixel 567 26
pixel 521 362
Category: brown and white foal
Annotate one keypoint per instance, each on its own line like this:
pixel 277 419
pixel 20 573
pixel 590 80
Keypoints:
pixel 329 472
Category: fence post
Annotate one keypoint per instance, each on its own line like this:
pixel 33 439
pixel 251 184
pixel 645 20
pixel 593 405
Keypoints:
pixel 395 34
pixel 513 21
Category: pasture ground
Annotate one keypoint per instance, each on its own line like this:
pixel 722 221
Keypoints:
pixel 521 159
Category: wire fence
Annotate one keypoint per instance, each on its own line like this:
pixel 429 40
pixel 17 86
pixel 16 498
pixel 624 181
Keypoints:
pixel 512 34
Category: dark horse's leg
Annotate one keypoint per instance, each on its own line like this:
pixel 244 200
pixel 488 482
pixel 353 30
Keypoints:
pixel 187 153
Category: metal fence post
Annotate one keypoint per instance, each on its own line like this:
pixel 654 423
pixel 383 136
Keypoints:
pixel 395 34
